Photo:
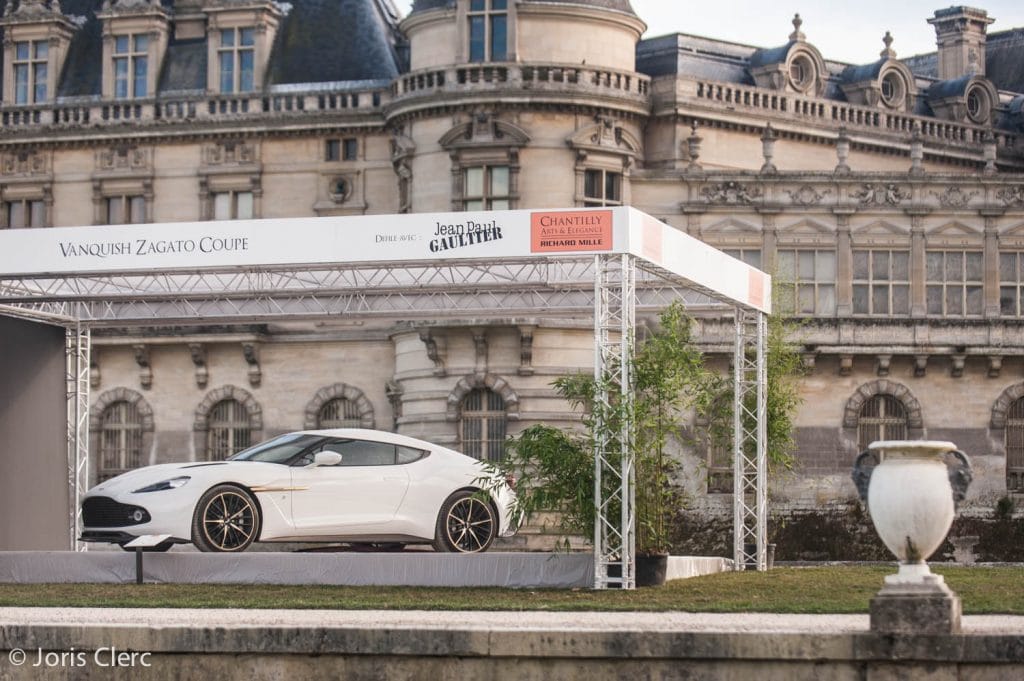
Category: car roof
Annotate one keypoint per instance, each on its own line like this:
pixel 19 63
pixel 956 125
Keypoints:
pixel 379 436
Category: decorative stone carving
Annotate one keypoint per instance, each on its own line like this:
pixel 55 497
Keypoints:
pixel 480 350
pixel 230 153
pixel 25 163
pixel 198 352
pixel 94 373
pixel 731 193
pixel 693 148
pixel 807 195
pixel 958 360
pixel 920 365
pixel 145 370
pixel 876 194
pixel 768 150
pixel 883 365
pixel 1012 196
pixel 916 150
pixel 954 197
pixel 526 350
pixel 434 353
pixel 252 357
pixel 124 158
pixel 845 365
pixel 842 152
pixel 995 365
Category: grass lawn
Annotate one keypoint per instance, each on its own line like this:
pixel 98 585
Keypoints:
pixel 833 589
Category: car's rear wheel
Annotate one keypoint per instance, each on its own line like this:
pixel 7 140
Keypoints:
pixel 466 524
pixel 226 519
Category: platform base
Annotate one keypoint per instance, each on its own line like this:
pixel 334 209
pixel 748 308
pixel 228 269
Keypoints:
pixel 915 602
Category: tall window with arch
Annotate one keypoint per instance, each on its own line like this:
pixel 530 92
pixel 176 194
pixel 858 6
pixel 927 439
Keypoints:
pixel 883 417
pixel 1015 446
pixel 339 413
pixel 229 429
pixel 120 439
pixel 482 424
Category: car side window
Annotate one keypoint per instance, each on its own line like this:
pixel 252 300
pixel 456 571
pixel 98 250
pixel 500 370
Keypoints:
pixel 364 453
pixel 408 454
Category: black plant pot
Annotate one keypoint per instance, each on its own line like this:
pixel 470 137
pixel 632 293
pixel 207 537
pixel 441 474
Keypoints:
pixel 651 569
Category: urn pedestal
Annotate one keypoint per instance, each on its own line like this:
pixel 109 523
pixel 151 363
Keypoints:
pixel 912 492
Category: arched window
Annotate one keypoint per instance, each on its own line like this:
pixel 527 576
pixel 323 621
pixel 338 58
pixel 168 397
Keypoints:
pixel 482 424
pixel 120 439
pixel 1015 446
pixel 882 417
pixel 229 429
pixel 339 413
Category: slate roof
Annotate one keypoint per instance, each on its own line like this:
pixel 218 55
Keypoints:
pixel 620 5
pixel 318 41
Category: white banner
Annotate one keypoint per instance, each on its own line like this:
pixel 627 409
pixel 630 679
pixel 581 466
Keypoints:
pixel 423 237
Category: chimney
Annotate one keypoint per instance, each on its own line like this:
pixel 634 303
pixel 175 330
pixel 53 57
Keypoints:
pixel 960 36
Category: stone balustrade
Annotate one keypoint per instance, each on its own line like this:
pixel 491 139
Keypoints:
pixel 811 110
pixel 188 108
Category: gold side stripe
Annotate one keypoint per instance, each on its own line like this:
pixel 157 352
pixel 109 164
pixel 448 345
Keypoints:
pixel 278 489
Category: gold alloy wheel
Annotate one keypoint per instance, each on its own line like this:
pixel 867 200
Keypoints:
pixel 469 525
pixel 229 521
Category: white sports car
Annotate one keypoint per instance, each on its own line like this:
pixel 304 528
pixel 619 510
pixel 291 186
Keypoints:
pixel 344 485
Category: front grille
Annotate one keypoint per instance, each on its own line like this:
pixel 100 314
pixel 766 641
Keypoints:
pixel 105 512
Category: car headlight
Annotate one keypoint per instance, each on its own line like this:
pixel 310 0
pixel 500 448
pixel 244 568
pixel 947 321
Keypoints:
pixel 173 483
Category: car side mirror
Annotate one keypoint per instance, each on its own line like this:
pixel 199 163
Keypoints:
pixel 326 458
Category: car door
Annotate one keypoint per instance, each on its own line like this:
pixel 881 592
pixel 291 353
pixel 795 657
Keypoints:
pixel 361 494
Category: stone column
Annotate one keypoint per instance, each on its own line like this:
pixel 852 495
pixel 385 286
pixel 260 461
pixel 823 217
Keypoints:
pixel 844 265
pixel 918 301
pixel 991 264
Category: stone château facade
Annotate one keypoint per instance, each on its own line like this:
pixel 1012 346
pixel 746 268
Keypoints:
pixel 887 196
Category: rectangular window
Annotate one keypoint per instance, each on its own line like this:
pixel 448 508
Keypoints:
pixel 1011 283
pixel 954 283
pixel 602 188
pixel 487 188
pixel 236 58
pixel 881 282
pixel 31 64
pixel 332 150
pixel 807 282
pixel 131 66
pixel 488 30
pixel 350 150
pixel 233 206
pixel 123 210
pixel 751 256
pixel 24 213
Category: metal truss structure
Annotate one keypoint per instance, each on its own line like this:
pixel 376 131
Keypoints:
pixel 614 471
pixel 78 348
pixel 750 457
pixel 611 287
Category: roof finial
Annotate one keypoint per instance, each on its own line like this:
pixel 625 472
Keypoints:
pixel 797 23
pixel 888 52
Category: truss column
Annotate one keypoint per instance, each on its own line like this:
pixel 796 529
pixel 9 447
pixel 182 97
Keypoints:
pixel 614 473
pixel 78 342
pixel 750 436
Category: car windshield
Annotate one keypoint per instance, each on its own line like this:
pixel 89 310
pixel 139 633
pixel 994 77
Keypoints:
pixel 279 449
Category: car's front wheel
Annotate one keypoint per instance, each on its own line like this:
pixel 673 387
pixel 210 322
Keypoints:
pixel 226 519
pixel 466 524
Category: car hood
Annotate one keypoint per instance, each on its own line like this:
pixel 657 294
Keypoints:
pixel 242 472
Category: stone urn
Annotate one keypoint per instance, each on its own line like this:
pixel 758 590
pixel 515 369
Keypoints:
pixel 913 489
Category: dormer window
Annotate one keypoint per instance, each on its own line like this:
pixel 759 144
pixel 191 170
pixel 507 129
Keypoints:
pixel 977 105
pixel 893 90
pixel 31 59
pixel 236 58
pixel 801 73
pixel 131 66
pixel 488 30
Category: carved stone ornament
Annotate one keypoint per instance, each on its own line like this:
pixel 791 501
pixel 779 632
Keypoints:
pixel 730 193
pixel 1012 196
pixel 807 195
pixel 123 158
pixel 33 10
pixel 229 153
pixel 876 194
pixel 954 197
pixel 25 163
